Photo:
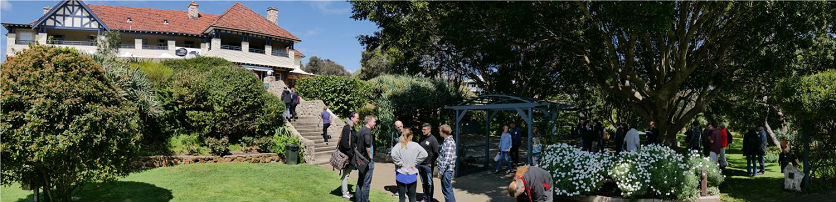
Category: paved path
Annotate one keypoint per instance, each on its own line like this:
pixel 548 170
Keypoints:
pixel 483 186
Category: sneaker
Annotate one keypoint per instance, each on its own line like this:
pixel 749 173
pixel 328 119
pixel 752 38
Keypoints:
pixel 347 196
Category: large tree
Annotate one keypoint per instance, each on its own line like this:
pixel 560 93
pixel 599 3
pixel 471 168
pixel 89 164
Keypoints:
pixel 323 66
pixel 665 62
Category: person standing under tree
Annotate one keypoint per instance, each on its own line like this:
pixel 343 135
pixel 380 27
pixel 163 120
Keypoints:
pixel 430 144
pixel 516 142
pixel 750 147
pixel 693 137
pixel 620 133
pixel 447 163
pixel 405 156
pixel 504 148
pixel 653 134
pixel 762 147
pixel 326 122
pixel 396 139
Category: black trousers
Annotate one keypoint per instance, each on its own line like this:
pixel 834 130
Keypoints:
pixel 515 155
pixel 406 190
pixel 293 110
pixel 325 131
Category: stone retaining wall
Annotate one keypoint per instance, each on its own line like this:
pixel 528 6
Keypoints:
pixel 163 161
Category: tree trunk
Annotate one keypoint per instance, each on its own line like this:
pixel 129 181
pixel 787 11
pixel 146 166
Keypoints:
pixel 771 133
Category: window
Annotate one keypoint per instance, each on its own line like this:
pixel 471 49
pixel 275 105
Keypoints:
pixel 129 20
pixel 189 44
pixel 165 22
pixel 26 36
pixel 162 42
pixel 91 38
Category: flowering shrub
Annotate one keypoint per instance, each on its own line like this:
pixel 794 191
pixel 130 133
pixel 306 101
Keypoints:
pixel 652 172
pixel 575 172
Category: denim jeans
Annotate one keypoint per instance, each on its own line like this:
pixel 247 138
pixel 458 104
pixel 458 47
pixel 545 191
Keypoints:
pixel 751 168
pixel 344 178
pixel 760 158
pixel 426 173
pixel 447 185
pixel 503 159
pixel 364 180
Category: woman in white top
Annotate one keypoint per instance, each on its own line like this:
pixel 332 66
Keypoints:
pixel 406 155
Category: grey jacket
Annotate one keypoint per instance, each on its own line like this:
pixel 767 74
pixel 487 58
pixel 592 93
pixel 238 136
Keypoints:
pixel 406 158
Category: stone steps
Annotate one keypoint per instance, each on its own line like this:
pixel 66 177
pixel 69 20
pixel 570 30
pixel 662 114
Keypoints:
pixel 309 126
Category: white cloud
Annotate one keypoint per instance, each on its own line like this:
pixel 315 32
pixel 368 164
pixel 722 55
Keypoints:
pixel 312 32
pixel 5 5
pixel 327 7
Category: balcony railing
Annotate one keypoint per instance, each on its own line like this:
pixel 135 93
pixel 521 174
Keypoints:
pixel 153 47
pixel 256 50
pixel 280 53
pixel 74 43
pixel 127 45
pixel 231 47
pixel 24 42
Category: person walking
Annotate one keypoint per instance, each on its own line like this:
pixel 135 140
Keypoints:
pixel 286 99
pixel 406 156
pixel 762 147
pixel 750 144
pixel 425 168
pixel 447 163
pixel 653 134
pixel 294 100
pixel 504 148
pixel 706 140
pixel 536 147
pixel 587 135
pixel 363 142
pixel 344 146
pixel 598 132
pixel 326 122
pixel 516 142
pixel 632 142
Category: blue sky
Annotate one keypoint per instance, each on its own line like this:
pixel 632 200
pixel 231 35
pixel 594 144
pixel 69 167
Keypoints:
pixel 325 27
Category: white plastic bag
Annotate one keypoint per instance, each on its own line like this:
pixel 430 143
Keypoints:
pixel 496 158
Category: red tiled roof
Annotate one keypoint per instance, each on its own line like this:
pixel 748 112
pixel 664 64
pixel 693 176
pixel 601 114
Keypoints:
pixel 242 18
pixel 296 52
pixel 151 19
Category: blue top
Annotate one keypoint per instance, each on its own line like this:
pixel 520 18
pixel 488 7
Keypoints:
pixel 326 117
pixel 505 142
pixel 515 135
pixel 762 135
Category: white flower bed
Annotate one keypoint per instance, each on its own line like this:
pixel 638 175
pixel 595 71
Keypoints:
pixel 652 172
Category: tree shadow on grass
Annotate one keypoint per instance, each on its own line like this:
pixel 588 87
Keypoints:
pixel 119 191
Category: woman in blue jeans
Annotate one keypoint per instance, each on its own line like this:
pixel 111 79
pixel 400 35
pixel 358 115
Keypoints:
pixel 504 148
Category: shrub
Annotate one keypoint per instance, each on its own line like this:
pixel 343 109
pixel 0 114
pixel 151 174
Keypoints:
pixel 63 123
pixel 187 144
pixel 202 64
pixel 156 72
pixel 281 139
pixel 575 172
pixel 264 144
pixel 652 172
pixel 217 147
pixel 341 94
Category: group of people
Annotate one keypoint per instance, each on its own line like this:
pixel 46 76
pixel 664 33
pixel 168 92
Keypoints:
pixel 291 99
pixel 592 136
pixel 411 159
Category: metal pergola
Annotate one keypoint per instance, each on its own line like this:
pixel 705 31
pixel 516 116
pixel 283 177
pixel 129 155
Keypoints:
pixel 494 103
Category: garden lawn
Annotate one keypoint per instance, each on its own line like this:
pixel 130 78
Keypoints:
pixel 226 182
pixel 768 187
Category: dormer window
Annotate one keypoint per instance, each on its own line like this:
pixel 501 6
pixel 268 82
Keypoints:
pixel 165 22
pixel 129 20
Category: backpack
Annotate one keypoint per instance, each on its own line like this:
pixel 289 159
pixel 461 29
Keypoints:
pixel 729 137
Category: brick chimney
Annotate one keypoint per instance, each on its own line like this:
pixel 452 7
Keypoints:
pixel 193 13
pixel 46 10
pixel 273 15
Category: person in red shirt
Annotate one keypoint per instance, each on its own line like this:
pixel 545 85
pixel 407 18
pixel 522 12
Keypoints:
pixel 724 135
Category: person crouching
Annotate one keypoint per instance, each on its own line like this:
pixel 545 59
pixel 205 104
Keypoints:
pixel 532 184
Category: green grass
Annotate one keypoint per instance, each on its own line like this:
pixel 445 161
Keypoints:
pixel 738 186
pixel 213 182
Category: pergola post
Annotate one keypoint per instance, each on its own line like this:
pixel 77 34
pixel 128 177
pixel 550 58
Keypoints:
pixel 459 115
pixel 530 129
pixel 491 114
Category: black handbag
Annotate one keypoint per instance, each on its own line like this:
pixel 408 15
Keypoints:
pixel 360 162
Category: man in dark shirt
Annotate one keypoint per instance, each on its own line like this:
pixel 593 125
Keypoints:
pixel 425 168
pixel 653 134
pixel 516 141
pixel 363 141
pixel 620 133
pixel 344 146
pixel 286 100
pixel 294 100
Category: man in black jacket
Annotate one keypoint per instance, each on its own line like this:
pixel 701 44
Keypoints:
pixel 653 134
pixel 286 100
pixel 345 147
pixel 620 133
pixel 425 169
